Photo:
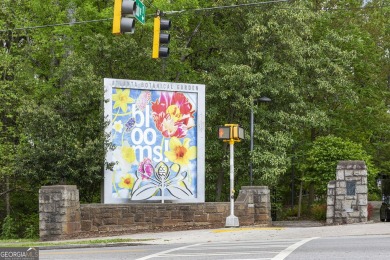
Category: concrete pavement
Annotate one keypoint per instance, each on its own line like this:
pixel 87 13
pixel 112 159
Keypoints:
pixel 279 230
pixel 294 230
pixel 263 233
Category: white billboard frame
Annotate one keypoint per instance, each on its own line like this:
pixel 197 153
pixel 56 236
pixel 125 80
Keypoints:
pixel 194 91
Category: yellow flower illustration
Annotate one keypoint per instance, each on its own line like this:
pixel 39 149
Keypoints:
pixel 128 154
pixel 125 157
pixel 126 182
pixel 118 126
pixel 122 98
pixel 180 153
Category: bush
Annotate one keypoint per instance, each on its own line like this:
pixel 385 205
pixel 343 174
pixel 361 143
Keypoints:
pixel 8 228
pixel 318 212
pixel 288 213
pixel 29 226
pixel 22 226
pixel 374 197
pixel 31 232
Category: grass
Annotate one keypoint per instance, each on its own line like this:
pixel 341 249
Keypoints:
pixel 37 243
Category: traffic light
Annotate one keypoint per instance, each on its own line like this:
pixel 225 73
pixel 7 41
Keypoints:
pixel 122 23
pixel 231 132
pixel 224 132
pixel 238 132
pixel 160 51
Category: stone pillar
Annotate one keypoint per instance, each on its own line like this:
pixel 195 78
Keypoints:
pixel 347 196
pixel 330 202
pixel 258 198
pixel 59 212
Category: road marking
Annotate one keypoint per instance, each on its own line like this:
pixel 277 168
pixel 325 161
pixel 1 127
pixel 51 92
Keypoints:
pixel 216 254
pixel 245 229
pixel 282 255
pixel 166 252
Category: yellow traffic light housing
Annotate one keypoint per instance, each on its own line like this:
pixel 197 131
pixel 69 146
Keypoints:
pixel 231 132
pixel 121 22
pixel 159 38
pixel 156 37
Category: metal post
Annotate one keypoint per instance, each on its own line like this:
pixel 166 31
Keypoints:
pixel 292 180
pixel 264 100
pixel 251 149
pixel 232 221
pixel 162 189
pixel 232 178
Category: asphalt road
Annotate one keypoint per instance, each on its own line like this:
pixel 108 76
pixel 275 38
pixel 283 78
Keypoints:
pixel 354 247
pixel 306 241
pixel 212 250
pixel 361 247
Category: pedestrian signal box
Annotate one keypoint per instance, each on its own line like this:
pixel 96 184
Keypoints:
pixel 231 132
pixel 224 132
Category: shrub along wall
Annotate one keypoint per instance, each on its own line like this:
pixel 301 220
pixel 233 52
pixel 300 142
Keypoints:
pixel 62 217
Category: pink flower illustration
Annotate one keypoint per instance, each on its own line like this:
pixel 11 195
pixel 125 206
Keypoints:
pixel 142 100
pixel 146 169
pixel 173 114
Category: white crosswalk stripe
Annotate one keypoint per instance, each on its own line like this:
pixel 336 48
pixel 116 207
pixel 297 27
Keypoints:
pixel 237 250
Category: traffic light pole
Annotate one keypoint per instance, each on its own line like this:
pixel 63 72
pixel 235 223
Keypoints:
pixel 231 133
pixel 232 221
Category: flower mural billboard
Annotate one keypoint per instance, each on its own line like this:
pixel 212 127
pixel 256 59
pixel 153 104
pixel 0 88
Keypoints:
pixel 157 129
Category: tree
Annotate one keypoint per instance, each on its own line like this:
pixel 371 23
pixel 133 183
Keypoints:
pixel 63 135
pixel 321 160
pixel 287 53
pixel 15 85
pixel 324 64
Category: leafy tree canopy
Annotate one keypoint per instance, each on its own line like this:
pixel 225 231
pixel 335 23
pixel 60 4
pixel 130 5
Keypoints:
pixel 322 158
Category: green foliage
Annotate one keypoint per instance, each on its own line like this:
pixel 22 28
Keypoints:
pixel 315 212
pixel 374 196
pixel 321 160
pixel 318 212
pixel 8 228
pixel 32 232
pixel 289 213
pixel 29 226
pixel 68 129
pixel 325 71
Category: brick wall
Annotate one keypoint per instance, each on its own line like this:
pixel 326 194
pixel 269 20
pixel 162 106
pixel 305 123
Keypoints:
pixel 252 207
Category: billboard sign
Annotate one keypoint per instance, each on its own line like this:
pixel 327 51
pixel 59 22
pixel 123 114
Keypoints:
pixel 158 131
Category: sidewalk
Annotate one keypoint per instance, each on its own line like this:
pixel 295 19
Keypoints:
pixel 296 230
pixel 279 230
pixel 264 233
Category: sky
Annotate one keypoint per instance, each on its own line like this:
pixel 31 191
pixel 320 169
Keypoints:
pixel 366 1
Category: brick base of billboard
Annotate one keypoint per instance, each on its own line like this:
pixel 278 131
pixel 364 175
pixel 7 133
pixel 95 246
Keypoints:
pixel 62 217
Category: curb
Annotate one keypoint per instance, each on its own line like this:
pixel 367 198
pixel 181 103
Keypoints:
pixel 72 246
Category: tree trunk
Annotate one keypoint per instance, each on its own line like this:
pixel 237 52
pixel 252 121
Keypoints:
pixel 7 203
pixel 300 200
pixel 311 195
pixel 219 185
